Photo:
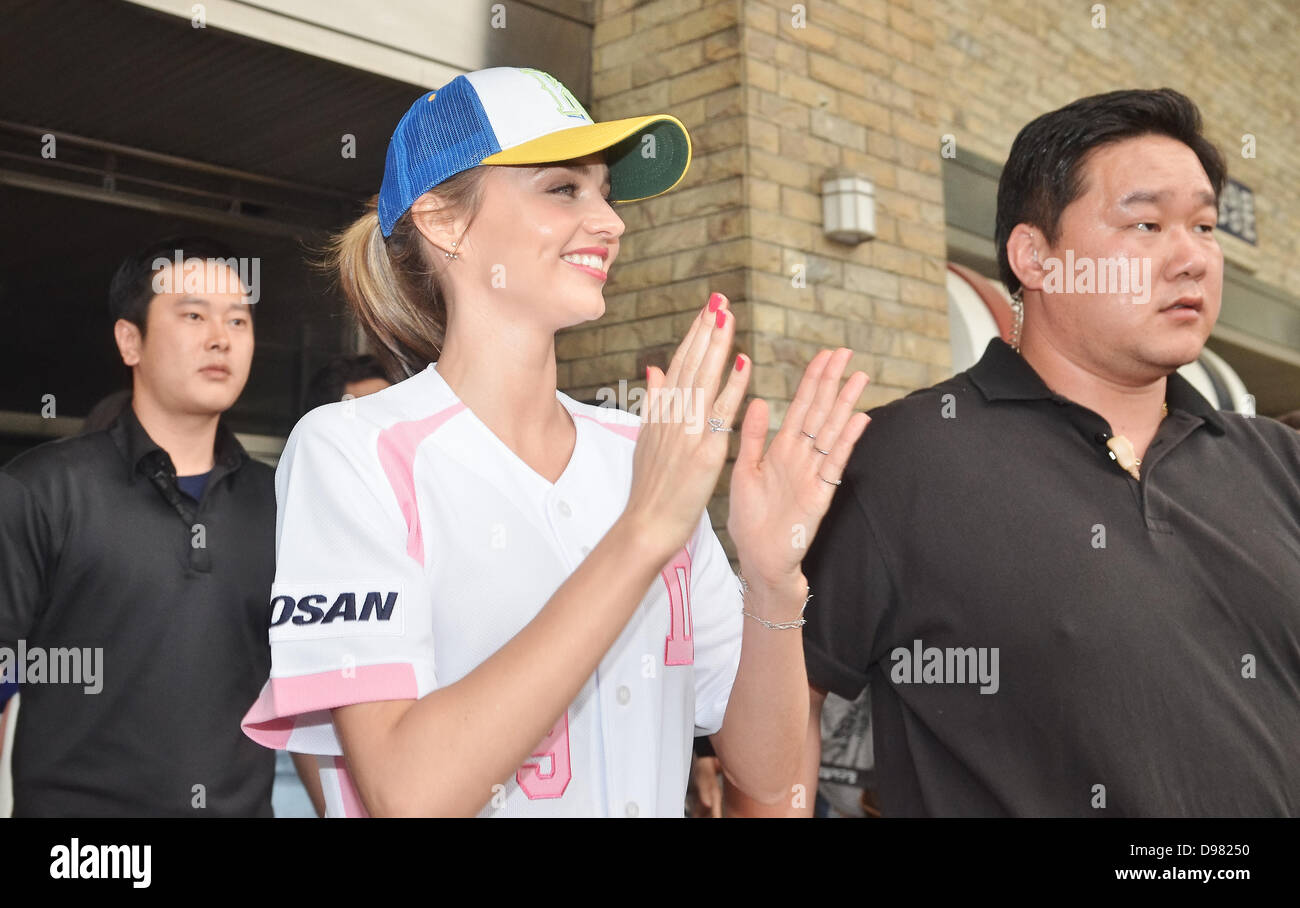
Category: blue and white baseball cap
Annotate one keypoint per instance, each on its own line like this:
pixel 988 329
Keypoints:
pixel 509 115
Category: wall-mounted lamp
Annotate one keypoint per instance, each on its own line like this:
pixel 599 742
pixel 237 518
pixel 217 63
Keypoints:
pixel 848 208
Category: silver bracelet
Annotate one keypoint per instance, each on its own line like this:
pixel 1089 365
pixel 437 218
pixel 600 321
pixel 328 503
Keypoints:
pixel 774 625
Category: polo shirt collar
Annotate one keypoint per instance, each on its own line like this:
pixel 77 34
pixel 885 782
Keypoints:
pixel 1003 374
pixel 140 452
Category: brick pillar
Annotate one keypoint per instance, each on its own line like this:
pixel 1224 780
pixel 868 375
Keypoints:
pixel 840 88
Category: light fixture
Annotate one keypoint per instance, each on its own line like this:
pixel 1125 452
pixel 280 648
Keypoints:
pixel 848 208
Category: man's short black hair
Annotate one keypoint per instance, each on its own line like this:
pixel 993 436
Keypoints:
pixel 1044 172
pixel 131 289
pixel 332 379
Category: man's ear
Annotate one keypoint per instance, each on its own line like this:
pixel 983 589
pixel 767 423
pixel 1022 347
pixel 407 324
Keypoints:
pixel 129 341
pixel 429 218
pixel 1027 253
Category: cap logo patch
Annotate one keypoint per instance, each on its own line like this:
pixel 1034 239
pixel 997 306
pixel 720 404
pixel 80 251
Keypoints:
pixel 565 103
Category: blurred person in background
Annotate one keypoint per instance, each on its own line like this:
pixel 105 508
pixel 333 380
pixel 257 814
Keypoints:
pixel 351 376
pixel 845 777
pixel 704 793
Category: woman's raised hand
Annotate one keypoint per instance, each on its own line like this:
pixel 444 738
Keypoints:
pixel 678 454
pixel 778 498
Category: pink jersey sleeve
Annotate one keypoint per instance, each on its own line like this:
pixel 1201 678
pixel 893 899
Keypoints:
pixel 349 614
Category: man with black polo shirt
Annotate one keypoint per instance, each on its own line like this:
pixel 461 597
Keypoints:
pixel 1070 581
pixel 142 555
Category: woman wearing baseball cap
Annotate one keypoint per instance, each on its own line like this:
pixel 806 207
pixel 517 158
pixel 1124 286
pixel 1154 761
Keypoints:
pixel 491 598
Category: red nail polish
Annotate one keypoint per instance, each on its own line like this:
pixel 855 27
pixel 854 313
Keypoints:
pixel 740 362
pixel 715 300
pixel 722 317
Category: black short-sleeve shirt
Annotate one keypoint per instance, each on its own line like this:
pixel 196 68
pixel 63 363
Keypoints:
pixel 110 570
pixel 1045 635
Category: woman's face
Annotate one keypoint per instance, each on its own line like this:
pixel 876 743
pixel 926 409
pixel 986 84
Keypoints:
pixel 543 241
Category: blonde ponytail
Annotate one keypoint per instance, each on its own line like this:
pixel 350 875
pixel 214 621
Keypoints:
pixel 390 285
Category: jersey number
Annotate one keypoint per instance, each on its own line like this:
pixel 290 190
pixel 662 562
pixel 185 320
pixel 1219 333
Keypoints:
pixel 547 772
pixel 537 781
pixel 679 649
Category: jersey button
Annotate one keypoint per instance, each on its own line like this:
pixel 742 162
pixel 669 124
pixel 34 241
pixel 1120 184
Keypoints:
pixel 623 694
pixel 564 509
pixel 632 810
pixel 585 550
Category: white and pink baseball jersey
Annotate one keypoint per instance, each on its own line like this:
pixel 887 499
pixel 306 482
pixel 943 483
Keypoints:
pixel 412 543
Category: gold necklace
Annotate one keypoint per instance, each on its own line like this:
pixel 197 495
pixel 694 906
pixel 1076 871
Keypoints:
pixel 1122 452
